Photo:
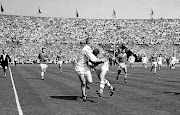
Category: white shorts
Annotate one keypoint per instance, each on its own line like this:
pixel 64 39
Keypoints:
pixel 105 66
pixel 43 66
pixel 131 62
pixel 154 64
pixel 121 65
pixel 60 63
pixel 82 70
pixel 159 63
pixel 172 63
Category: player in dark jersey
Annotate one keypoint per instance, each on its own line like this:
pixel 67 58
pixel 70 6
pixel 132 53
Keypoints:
pixel 43 60
pixel 153 60
pixel 4 60
pixel 15 61
pixel 122 60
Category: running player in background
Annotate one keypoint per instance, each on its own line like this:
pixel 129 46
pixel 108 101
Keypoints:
pixel 59 59
pixel 101 70
pixel 131 60
pixel 15 61
pixel 153 60
pixel 159 61
pixel 172 62
pixel 82 68
pixel 5 60
pixel 43 59
pixel 144 61
pixel 122 60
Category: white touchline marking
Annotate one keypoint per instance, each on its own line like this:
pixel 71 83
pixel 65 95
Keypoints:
pixel 120 74
pixel 15 93
pixel 112 72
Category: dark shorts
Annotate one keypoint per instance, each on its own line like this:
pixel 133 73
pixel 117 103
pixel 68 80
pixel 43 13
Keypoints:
pixel 4 66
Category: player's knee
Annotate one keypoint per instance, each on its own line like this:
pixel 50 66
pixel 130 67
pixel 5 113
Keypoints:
pixel 102 82
pixel 90 81
pixel 119 70
pixel 106 81
pixel 125 69
pixel 83 84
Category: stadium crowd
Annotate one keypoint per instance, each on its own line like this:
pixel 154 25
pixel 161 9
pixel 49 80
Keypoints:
pixel 24 36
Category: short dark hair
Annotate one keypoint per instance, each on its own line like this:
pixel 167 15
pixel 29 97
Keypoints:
pixel 96 52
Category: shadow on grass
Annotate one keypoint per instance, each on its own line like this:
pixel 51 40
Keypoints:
pixel 76 98
pixel 174 81
pixel 34 78
pixel 175 93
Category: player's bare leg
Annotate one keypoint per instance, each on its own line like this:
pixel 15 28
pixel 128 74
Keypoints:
pixel 5 71
pixel 43 70
pixel 83 86
pixel 101 75
pixel 125 76
pixel 119 72
pixel 154 69
pixel 60 68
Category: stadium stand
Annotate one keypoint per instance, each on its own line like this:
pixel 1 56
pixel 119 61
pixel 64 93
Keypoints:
pixel 24 36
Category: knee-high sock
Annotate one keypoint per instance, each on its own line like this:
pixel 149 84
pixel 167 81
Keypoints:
pixel 83 89
pixel 102 85
pixel 154 69
pixel 108 84
pixel 119 72
pixel 125 75
pixel 42 74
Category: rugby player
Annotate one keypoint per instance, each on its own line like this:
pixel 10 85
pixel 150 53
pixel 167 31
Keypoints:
pixel 5 60
pixel 101 69
pixel 159 61
pixel 144 61
pixel 43 60
pixel 131 60
pixel 82 68
pixel 153 60
pixel 122 60
pixel 59 59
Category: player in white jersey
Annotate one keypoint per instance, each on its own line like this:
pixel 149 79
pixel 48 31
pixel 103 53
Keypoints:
pixel 59 59
pixel 172 62
pixel 43 60
pixel 83 69
pixel 144 61
pixel 101 69
pixel 131 60
pixel 159 61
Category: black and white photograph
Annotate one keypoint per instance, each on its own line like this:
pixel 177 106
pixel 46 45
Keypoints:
pixel 89 57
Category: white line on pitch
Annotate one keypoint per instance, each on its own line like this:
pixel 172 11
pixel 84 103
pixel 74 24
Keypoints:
pixel 112 72
pixel 120 74
pixel 15 93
